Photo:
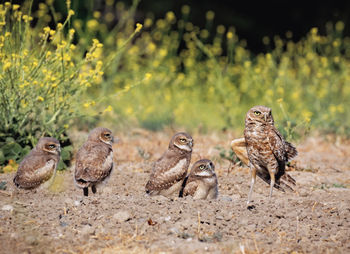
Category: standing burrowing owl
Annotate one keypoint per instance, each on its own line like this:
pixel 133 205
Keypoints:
pixel 170 170
pixel 39 165
pixel 201 183
pixel 94 160
pixel 267 151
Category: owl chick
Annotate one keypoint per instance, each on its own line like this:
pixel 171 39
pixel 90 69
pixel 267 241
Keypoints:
pixel 267 151
pixel 170 170
pixel 94 160
pixel 202 182
pixel 39 165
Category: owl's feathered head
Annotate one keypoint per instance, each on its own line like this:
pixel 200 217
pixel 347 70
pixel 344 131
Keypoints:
pixel 49 145
pixel 260 114
pixel 182 141
pixel 203 168
pixel 101 134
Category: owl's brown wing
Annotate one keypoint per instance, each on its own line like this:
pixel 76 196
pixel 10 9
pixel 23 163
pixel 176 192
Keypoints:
pixel 239 147
pixel 94 163
pixel 34 170
pixel 277 144
pixel 190 188
pixel 281 150
pixel 168 170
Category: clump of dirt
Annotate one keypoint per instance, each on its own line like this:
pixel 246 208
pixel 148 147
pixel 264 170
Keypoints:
pixel 121 218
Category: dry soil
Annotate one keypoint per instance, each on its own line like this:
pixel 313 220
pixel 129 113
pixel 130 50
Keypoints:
pixel 120 218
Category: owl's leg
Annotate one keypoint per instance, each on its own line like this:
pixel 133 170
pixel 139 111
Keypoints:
pixel 93 188
pixel 272 183
pixel 253 177
pixel 86 191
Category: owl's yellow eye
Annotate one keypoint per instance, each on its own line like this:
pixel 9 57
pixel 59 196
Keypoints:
pixel 257 113
pixel 182 140
pixel 201 167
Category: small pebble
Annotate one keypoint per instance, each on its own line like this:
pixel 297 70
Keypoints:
pixel 122 216
pixel 7 208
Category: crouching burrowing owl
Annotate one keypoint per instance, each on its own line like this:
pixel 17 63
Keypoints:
pixel 201 183
pixel 170 170
pixel 267 151
pixel 94 160
pixel 39 165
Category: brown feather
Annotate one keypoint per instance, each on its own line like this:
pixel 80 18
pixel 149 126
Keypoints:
pixel 190 188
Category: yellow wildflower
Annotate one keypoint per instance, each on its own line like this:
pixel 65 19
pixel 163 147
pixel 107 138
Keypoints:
pixel 6 66
pixel 138 27
pixel 92 24
pixel 339 26
pixel 77 23
pixel 314 30
pixel 108 109
pixel 170 16
pixel 220 29
pixel 210 15
pixel 15 7
pixel 40 98
pixel 71 31
pixel 96 14
pixel 47 29
pixel 129 110
pixel 148 76
pixel 59 26
pixel 148 22
pixel 185 9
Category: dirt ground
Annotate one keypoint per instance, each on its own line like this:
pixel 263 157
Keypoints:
pixel 120 218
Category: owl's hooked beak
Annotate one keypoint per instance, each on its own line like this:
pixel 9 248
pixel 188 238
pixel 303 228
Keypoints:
pixel 265 117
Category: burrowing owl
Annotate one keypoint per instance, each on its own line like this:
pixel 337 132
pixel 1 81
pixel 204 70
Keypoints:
pixel 39 165
pixel 170 170
pixel 267 151
pixel 201 183
pixel 94 160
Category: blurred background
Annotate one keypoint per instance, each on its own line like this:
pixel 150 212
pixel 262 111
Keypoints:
pixel 194 65
pixel 252 19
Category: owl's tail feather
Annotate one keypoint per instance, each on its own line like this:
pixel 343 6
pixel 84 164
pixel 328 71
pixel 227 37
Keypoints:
pixel 290 150
pixel 285 183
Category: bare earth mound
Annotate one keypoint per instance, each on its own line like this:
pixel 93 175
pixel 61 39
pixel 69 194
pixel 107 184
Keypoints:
pixel 120 218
